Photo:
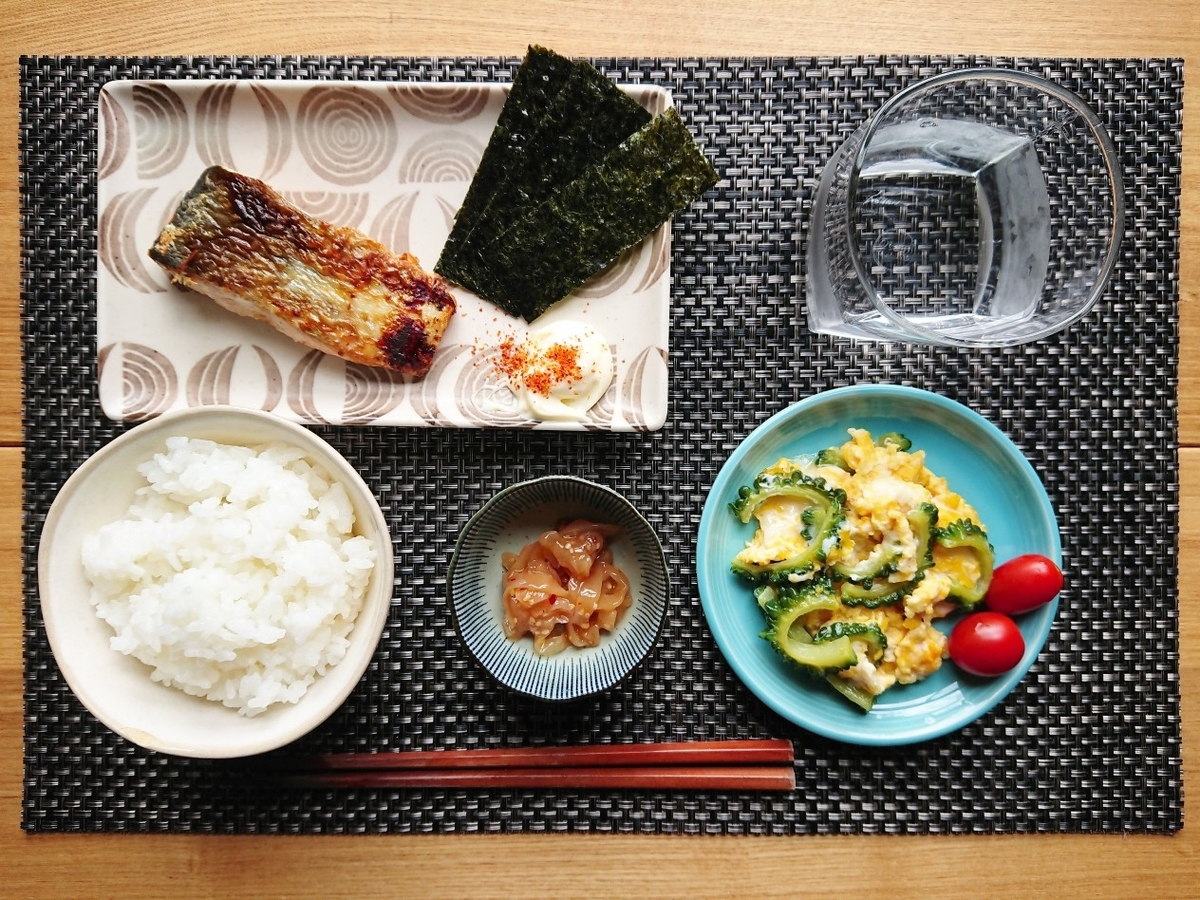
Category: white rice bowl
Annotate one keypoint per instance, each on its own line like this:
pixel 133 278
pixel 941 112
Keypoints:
pixel 227 607
pixel 235 575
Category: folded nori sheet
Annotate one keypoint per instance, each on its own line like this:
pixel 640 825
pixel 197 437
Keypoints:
pixel 561 242
pixel 545 141
pixel 549 137
pixel 542 75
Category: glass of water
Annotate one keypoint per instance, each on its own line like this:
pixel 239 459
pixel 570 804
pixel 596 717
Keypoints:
pixel 977 208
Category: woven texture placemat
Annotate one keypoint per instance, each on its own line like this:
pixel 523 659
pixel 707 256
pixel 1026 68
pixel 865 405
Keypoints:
pixel 1089 741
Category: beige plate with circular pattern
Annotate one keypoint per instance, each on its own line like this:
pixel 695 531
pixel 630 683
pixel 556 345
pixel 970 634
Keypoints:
pixel 393 160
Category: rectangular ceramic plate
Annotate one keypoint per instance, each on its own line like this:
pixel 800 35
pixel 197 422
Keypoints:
pixel 392 160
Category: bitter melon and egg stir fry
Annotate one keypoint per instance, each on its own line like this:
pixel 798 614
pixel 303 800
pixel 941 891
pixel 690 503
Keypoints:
pixel 857 552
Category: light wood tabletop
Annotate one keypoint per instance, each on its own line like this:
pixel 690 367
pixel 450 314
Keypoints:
pixel 458 865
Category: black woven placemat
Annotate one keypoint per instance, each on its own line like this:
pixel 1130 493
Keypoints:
pixel 1089 741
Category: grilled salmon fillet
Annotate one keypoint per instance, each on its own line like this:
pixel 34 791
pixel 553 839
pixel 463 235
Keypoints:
pixel 236 240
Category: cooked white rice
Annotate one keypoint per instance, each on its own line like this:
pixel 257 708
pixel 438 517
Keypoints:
pixel 235 575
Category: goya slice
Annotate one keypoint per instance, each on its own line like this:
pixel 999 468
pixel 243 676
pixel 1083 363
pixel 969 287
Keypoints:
pixel 962 551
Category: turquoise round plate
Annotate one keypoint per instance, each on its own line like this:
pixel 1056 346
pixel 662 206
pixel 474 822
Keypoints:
pixel 979 463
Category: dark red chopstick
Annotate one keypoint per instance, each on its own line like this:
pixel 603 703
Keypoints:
pixel 683 753
pixel 734 765
pixel 664 778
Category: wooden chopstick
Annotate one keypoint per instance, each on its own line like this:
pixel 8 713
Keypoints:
pixel 682 753
pixel 664 778
pixel 736 765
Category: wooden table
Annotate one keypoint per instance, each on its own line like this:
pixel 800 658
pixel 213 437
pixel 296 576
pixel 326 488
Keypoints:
pixel 201 865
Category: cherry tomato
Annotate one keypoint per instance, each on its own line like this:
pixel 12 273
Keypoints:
pixel 986 643
pixel 1023 583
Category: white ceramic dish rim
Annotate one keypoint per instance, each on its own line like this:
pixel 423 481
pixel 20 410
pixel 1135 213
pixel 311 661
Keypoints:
pixel 117 689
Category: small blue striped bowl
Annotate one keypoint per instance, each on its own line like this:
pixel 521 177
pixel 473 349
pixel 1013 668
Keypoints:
pixel 506 523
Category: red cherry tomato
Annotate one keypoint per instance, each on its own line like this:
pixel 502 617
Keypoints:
pixel 1023 583
pixel 986 643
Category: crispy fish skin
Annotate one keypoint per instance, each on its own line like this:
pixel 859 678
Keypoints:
pixel 235 240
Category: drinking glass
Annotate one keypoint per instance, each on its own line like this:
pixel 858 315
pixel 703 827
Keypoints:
pixel 976 208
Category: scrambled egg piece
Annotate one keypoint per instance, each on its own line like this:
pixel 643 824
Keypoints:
pixel 884 542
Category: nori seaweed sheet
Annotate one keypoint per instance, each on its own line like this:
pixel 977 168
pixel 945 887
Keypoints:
pixel 541 76
pixel 578 126
pixel 560 243
pixel 587 119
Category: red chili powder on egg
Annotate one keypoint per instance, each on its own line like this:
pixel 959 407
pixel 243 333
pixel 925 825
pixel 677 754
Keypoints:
pixel 539 372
